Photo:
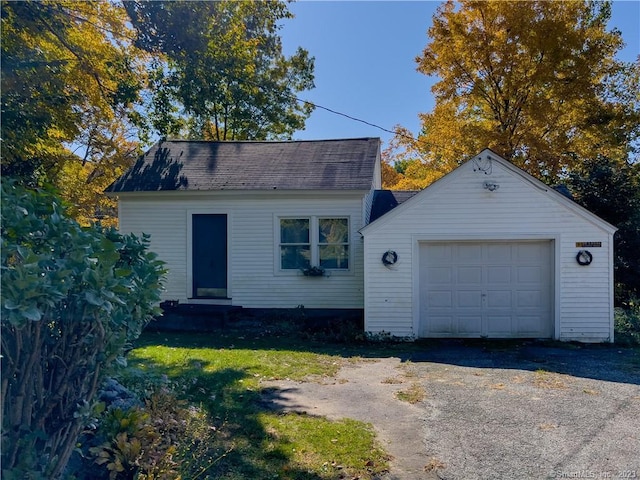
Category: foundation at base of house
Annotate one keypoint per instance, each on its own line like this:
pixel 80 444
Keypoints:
pixel 185 317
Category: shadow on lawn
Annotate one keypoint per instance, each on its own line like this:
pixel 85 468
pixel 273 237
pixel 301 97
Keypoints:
pixel 236 445
pixel 596 361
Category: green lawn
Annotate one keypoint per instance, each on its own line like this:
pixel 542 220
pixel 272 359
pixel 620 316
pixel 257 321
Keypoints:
pixel 232 433
pixel 206 415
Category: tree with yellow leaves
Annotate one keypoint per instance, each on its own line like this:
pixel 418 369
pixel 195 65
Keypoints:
pixel 535 81
pixel 69 73
pixel 86 85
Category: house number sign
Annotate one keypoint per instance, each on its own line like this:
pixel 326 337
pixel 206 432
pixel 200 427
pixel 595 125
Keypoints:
pixel 588 244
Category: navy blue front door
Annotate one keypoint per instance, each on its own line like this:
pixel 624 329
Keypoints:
pixel 209 255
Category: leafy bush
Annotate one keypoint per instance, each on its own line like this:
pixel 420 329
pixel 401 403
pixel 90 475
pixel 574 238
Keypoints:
pixel 73 299
pixel 161 438
pixel 627 323
pixel 141 442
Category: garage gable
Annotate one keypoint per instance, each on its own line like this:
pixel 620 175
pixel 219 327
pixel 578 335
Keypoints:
pixel 490 175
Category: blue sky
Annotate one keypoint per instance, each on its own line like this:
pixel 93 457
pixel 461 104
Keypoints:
pixel 365 61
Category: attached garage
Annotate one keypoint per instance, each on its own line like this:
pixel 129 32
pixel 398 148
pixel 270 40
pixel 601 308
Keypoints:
pixel 489 252
pixel 486 289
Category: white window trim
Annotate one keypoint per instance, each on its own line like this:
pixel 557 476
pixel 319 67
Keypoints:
pixel 314 240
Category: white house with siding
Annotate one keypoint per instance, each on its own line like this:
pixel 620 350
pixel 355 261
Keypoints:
pixel 237 223
pixel 487 251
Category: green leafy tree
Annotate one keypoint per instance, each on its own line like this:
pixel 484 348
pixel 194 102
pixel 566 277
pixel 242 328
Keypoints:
pixel 535 81
pixel 611 190
pixel 220 72
pixel 72 300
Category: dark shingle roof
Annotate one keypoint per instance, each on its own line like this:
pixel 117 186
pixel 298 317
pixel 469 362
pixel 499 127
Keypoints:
pixel 386 200
pixel 290 165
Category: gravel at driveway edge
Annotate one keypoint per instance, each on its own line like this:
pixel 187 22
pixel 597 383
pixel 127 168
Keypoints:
pixel 522 412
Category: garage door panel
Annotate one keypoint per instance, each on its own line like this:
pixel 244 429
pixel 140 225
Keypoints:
pixel 437 299
pixel 500 289
pixel 469 298
pixel 469 253
pixel 439 275
pixel 499 325
pixel 443 251
pixel 499 299
pixel 529 298
pixel 499 252
pixel 441 324
pixel 531 252
pixel 470 325
pixel 530 274
pixel 469 275
pixel 499 274
pixel 530 325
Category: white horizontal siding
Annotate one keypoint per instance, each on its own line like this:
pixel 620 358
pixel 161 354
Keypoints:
pixel 459 208
pixel 254 277
pixel 167 226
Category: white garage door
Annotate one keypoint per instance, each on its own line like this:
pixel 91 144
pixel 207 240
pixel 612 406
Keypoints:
pixel 486 289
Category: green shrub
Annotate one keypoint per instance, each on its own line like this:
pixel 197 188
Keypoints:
pixel 141 442
pixel 165 438
pixel 73 299
pixel 627 323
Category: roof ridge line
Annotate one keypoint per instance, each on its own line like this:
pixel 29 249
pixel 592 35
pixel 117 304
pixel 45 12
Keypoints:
pixel 189 140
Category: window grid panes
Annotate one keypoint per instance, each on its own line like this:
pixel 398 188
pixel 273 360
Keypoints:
pixel 314 241
pixel 333 243
pixel 295 243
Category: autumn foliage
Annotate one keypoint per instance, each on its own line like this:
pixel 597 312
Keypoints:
pixel 535 81
pixel 86 86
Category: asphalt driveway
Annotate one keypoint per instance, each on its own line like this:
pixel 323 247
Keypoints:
pixel 490 410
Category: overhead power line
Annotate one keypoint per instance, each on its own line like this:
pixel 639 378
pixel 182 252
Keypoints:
pixel 335 112
pixel 315 105
pixel 355 119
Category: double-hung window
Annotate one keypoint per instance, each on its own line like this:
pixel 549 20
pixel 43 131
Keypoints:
pixel 314 241
pixel 333 243
pixel 295 243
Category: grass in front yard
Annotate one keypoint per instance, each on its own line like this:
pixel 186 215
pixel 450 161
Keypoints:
pixel 237 435
pixel 331 449
pixel 414 394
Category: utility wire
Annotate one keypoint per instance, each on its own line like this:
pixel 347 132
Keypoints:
pixel 315 105
pixel 335 112
pixel 330 110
